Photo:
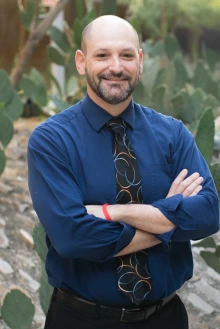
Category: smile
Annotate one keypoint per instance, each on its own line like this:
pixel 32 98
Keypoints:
pixel 115 80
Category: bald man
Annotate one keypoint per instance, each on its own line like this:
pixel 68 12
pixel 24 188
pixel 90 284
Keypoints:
pixel 120 191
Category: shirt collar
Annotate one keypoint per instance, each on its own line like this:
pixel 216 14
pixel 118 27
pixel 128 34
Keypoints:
pixel 98 117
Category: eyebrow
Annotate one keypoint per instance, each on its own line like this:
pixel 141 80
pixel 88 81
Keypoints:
pixel 107 49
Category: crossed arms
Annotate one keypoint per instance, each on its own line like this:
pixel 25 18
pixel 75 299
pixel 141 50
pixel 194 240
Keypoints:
pixel 149 220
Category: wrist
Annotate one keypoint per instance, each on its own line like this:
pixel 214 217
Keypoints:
pixel 106 212
pixel 117 212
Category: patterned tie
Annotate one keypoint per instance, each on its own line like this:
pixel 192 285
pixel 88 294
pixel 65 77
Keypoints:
pixel 133 277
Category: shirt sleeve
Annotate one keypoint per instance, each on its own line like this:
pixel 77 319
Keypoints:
pixel 58 202
pixel 195 217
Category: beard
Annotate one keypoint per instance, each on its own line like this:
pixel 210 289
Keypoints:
pixel 115 93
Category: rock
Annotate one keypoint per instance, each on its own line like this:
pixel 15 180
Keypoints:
pixel 39 316
pixel 196 323
pixel 24 219
pixel 196 277
pixel 23 198
pixel 24 261
pixel 196 250
pixel 213 274
pixel 5 188
pixel 200 303
pixel 208 291
pixel 33 284
pixel 4 242
pixel 22 207
pixel 2 222
pixel 20 179
pixel 5 267
pixel 33 212
pixel 27 237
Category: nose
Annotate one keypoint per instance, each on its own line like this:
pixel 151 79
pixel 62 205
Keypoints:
pixel 116 65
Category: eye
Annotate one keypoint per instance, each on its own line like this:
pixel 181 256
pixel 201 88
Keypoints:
pixel 128 55
pixel 101 55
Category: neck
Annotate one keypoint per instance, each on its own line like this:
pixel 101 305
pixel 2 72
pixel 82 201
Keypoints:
pixel 114 110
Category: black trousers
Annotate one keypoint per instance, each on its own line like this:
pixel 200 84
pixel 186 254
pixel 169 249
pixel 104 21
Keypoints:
pixel 62 316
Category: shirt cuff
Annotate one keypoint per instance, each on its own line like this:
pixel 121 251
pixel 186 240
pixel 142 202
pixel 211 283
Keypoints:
pixel 125 238
pixel 168 207
pixel 165 237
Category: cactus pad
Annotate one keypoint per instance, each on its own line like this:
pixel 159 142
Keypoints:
pixel 2 161
pixel 6 129
pixel 45 290
pixel 205 135
pixel 40 241
pixel 17 309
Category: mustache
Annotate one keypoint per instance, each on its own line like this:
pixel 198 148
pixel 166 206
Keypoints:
pixel 121 76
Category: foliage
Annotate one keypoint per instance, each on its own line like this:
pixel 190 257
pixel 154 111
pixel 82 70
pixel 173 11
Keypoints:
pixel 205 135
pixel 45 290
pixel 205 142
pixel 212 258
pixel 170 14
pixel 174 87
pixel 10 109
pixel 17 308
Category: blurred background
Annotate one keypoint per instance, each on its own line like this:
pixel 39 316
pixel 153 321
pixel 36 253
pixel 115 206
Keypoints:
pixel 38 78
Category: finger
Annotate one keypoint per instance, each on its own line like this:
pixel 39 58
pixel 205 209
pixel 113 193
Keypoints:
pixel 182 175
pixel 187 182
pixel 192 187
pixel 196 191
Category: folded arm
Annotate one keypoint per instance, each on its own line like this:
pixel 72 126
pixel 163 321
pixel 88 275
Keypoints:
pixel 190 210
pixel 146 218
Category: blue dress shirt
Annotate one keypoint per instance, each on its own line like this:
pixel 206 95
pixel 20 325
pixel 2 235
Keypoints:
pixel 71 165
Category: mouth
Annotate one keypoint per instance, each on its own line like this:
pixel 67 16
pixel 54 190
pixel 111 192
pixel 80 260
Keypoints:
pixel 114 79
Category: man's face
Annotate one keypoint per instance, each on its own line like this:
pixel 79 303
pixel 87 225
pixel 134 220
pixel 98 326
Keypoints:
pixel 113 65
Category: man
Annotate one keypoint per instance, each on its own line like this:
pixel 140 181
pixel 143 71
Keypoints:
pixel 120 191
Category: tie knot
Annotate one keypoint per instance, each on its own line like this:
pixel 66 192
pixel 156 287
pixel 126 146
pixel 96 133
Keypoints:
pixel 117 126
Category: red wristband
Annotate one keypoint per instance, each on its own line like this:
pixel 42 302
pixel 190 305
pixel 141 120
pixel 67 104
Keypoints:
pixel 105 211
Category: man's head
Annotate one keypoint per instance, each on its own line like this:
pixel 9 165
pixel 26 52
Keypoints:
pixel 110 59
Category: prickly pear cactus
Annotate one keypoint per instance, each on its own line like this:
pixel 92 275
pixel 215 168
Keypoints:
pixel 45 290
pixel 205 135
pixel 39 241
pixel 171 46
pixel 215 171
pixel 10 109
pixel 2 161
pixel 17 309
pixel 12 105
pixel 212 259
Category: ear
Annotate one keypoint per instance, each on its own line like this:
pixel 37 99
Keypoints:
pixel 80 62
pixel 141 60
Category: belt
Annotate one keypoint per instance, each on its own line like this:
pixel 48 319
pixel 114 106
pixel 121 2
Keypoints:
pixel 125 315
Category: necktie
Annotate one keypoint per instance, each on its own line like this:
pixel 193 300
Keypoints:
pixel 133 276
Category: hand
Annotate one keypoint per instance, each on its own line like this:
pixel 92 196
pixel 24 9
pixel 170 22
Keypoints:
pixel 95 210
pixel 187 187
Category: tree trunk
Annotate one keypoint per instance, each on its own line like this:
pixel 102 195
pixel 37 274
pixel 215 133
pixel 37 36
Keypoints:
pixel 9 39
pixel 33 40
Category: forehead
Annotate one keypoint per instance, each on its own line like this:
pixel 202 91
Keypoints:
pixel 111 37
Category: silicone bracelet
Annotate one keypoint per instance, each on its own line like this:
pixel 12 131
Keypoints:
pixel 105 211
